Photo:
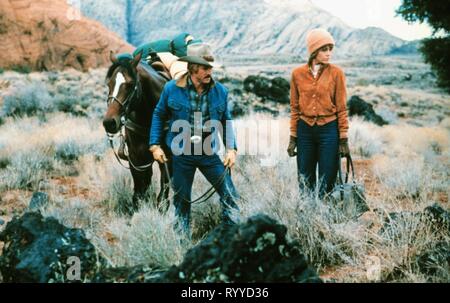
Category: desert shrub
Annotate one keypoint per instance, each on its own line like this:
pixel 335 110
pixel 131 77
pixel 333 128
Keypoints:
pixel 26 170
pixel 72 104
pixel 310 221
pixel 30 99
pixel 149 238
pixel 205 217
pixel 362 82
pixel 400 176
pixel 407 176
pixel 404 237
pixel 364 139
pixel 120 192
pixel 23 69
pixel 74 213
pixel 72 149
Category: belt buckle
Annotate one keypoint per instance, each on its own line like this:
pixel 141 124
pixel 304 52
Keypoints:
pixel 196 139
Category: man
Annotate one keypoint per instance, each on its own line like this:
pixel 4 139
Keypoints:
pixel 197 105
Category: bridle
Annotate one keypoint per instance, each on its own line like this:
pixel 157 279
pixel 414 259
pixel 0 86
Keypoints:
pixel 125 104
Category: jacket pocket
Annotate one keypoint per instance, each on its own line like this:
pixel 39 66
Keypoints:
pixel 217 112
pixel 178 110
pixel 174 105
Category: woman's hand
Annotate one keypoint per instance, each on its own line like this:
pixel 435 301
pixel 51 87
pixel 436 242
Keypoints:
pixel 292 146
pixel 344 150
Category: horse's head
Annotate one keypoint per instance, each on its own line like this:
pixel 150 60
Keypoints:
pixel 123 83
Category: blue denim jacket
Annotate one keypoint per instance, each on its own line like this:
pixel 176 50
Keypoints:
pixel 174 104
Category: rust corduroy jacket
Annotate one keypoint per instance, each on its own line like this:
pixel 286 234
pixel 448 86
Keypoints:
pixel 319 100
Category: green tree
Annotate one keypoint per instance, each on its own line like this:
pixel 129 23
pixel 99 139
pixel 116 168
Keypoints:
pixel 436 50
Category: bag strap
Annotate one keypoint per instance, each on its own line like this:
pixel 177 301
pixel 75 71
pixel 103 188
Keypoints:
pixel 340 180
pixel 349 168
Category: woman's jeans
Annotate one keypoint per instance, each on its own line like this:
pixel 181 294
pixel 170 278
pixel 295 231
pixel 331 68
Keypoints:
pixel 317 145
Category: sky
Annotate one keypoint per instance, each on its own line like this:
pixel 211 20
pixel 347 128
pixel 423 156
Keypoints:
pixel 379 13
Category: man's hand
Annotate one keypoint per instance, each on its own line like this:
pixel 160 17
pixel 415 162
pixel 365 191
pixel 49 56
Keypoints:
pixel 230 158
pixel 292 146
pixel 158 154
pixel 344 150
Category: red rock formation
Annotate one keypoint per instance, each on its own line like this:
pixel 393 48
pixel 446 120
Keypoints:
pixel 51 35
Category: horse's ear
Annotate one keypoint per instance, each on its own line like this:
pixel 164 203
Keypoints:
pixel 113 57
pixel 137 58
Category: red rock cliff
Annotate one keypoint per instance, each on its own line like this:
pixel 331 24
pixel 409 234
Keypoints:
pixel 51 35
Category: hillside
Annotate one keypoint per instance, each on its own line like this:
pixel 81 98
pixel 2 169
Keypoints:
pixel 236 26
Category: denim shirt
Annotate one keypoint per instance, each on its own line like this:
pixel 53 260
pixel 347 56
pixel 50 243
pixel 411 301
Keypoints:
pixel 199 102
pixel 174 105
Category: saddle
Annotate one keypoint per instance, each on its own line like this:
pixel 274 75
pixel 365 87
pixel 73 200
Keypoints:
pixel 161 69
pixel 167 64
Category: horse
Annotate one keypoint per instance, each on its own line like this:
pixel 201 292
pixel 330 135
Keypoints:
pixel 134 91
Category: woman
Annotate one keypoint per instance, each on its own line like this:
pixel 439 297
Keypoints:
pixel 319 121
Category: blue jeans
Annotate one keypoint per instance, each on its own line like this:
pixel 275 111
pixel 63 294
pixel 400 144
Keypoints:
pixel 317 145
pixel 184 167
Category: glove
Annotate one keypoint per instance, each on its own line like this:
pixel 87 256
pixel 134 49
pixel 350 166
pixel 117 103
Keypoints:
pixel 158 154
pixel 292 146
pixel 230 158
pixel 344 150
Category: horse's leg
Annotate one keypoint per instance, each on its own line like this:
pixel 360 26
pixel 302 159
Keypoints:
pixel 139 155
pixel 141 182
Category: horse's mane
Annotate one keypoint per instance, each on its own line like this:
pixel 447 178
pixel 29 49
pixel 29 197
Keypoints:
pixel 125 62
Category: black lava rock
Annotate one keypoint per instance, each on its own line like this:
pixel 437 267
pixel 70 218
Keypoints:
pixel 38 249
pixel 438 216
pixel 432 260
pixel 255 251
pixel 358 107
pixel 434 216
pixel 236 105
pixel 276 89
pixel 136 274
pixel 38 200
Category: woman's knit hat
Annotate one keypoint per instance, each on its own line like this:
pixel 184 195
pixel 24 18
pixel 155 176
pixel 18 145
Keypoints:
pixel 317 38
